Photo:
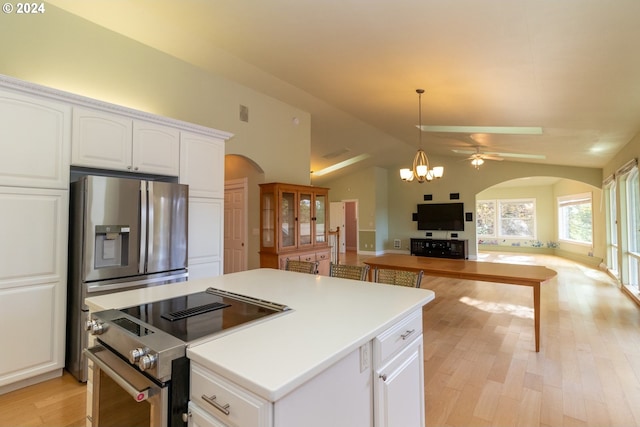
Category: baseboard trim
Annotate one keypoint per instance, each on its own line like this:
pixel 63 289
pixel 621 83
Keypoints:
pixel 30 381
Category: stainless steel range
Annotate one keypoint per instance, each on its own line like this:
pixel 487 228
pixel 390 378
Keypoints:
pixel 141 373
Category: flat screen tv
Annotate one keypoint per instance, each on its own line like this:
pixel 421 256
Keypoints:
pixel 441 216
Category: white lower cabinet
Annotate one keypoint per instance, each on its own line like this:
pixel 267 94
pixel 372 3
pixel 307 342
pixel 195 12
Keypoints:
pixel 200 418
pixel 399 389
pixel 33 271
pixel 379 384
pixel 398 359
pixel 226 401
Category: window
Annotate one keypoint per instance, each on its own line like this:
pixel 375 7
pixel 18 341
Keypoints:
pixel 611 224
pixel 575 223
pixel 633 214
pixel 508 218
pixel 627 227
pixel 486 218
pixel 517 218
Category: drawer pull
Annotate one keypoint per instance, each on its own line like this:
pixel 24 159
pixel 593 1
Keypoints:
pixel 383 377
pixel 212 401
pixel 407 334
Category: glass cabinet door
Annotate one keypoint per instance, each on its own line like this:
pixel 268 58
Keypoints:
pixel 320 230
pixel 304 219
pixel 268 220
pixel 287 219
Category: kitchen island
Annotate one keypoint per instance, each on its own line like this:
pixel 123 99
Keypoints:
pixel 340 356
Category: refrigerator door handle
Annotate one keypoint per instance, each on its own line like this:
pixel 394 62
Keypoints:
pixel 151 230
pixel 144 208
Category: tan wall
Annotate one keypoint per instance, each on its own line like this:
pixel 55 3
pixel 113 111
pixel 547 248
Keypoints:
pixel 547 219
pixel 62 51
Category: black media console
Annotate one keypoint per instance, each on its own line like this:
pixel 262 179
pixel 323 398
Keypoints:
pixel 456 249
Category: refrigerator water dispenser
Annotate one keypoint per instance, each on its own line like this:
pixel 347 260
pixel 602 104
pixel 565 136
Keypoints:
pixel 112 243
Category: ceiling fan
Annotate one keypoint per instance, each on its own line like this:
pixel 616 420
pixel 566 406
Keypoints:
pixel 478 157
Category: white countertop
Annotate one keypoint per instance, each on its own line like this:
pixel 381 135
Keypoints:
pixel 329 319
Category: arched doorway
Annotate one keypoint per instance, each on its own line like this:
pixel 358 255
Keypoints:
pixel 241 213
pixel 543 231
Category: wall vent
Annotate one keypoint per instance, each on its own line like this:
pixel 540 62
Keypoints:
pixel 336 153
pixel 244 113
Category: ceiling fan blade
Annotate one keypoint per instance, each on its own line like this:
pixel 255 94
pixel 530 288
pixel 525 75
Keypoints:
pixel 517 156
pixel 506 130
pixel 500 156
pixel 486 157
pixel 464 151
pixel 488 154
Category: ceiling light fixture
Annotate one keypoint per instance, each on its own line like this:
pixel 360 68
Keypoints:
pixel 420 170
pixel 477 161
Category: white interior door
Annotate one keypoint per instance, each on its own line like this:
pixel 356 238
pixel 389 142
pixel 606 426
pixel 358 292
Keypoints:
pixel 235 225
pixel 337 219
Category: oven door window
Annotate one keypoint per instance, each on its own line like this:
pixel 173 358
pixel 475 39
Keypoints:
pixel 122 396
pixel 117 408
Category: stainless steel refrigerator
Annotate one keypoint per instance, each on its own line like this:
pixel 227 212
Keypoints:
pixel 123 234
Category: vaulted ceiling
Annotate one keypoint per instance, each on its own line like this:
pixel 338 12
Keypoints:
pixel 569 67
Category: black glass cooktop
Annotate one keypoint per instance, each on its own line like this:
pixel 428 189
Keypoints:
pixel 198 315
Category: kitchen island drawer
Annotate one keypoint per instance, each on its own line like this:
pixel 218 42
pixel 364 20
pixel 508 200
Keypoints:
pixel 199 418
pixel 226 401
pixel 397 337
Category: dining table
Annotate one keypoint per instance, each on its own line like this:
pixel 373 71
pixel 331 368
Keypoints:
pixel 511 274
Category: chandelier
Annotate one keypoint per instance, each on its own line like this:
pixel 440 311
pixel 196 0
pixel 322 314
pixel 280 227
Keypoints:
pixel 420 170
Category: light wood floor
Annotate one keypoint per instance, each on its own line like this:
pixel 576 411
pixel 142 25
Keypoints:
pixel 59 402
pixel 480 365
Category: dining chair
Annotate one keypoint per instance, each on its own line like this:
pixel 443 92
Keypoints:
pixel 310 267
pixel 345 271
pixel 398 277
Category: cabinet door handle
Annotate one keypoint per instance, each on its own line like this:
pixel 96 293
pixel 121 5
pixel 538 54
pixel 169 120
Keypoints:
pixel 212 401
pixel 407 334
pixel 383 377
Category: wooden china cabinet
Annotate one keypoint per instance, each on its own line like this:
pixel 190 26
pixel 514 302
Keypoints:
pixel 294 224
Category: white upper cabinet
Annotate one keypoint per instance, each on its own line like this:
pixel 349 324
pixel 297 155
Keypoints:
pixel 202 165
pixel 101 140
pixel 108 141
pixel 156 149
pixel 34 141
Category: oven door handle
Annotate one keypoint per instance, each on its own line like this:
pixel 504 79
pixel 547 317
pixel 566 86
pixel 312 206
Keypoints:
pixel 137 394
